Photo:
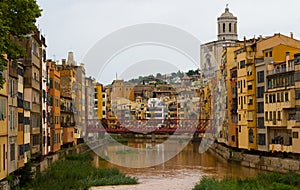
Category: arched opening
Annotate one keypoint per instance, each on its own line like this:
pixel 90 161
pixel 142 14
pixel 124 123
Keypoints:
pixel 235 28
pixel 229 27
pixel 224 27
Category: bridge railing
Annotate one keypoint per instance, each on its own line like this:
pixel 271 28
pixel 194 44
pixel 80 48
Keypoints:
pixel 126 125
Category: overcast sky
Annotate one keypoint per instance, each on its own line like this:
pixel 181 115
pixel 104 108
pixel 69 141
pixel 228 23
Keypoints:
pixel 76 25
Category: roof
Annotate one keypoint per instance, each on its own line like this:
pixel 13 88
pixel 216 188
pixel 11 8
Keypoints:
pixel 227 14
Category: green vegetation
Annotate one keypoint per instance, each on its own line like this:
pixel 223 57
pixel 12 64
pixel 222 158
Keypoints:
pixel 263 181
pixel 17 18
pixel 77 172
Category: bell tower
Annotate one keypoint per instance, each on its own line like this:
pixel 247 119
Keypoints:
pixel 227 26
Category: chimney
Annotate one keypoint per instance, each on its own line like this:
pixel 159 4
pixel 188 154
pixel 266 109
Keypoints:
pixel 287 58
pixel 63 61
pixel 71 61
pixel 292 35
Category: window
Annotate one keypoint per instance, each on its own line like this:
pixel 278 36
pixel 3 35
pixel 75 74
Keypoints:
pixel 12 152
pixel 261 139
pixel 35 140
pixel 249 70
pixel 251 136
pixel 267 98
pixel 20 118
pixel 271 116
pixel 57 87
pixel 244 84
pixel 266 115
pixel 21 150
pixel 239 117
pixel 51 83
pixel 295 135
pixel 260 92
pixel 2 109
pixel 260 76
pixel 271 54
pixel 266 54
pixel 229 27
pixel 233 138
pixel 274 115
pixel 26 120
pixel 297 76
pixel 103 112
pixel 224 27
pixel 250 100
pixel 279 115
pixel 242 64
pixel 240 129
pixel 292 116
pixel 286 96
pixel 103 103
pixel 260 122
pixel 297 94
pixel 103 95
pixel 250 85
pixel 250 116
pixel 260 107
pixel 35 119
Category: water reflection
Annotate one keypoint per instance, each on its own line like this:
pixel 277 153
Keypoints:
pixel 183 171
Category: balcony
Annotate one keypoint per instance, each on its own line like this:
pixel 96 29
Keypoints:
pixel 280 148
pixel 68 124
pixel 66 109
pixel 281 70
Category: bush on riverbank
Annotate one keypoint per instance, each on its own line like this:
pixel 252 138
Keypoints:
pixel 263 181
pixel 77 172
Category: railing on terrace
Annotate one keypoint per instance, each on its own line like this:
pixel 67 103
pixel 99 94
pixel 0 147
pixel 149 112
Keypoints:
pixel 281 70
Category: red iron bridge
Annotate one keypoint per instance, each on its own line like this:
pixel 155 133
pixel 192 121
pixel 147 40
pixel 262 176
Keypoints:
pixel 152 126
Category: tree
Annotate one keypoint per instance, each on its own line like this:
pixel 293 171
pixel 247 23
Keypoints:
pixel 17 18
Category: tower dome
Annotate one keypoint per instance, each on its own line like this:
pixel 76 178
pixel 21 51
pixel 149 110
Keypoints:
pixel 227 26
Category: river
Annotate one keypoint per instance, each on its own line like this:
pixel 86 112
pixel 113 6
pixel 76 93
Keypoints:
pixel 183 171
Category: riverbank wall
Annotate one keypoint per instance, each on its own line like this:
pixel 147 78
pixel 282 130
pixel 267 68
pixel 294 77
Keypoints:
pixel 50 159
pixel 282 165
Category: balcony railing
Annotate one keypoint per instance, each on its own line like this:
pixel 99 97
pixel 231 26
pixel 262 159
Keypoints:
pixel 280 148
pixel 281 70
pixel 68 124
pixel 65 108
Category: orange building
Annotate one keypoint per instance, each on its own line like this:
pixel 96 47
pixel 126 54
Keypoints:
pixel 54 91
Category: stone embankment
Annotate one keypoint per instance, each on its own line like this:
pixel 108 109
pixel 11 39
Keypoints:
pixel 283 165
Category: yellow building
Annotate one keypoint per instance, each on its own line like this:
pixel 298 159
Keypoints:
pixel 243 138
pixel 229 70
pixel 98 101
pixel 4 127
pixel 267 55
pixel 281 99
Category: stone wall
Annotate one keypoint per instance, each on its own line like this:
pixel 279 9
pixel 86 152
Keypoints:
pixel 255 161
pixel 49 160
